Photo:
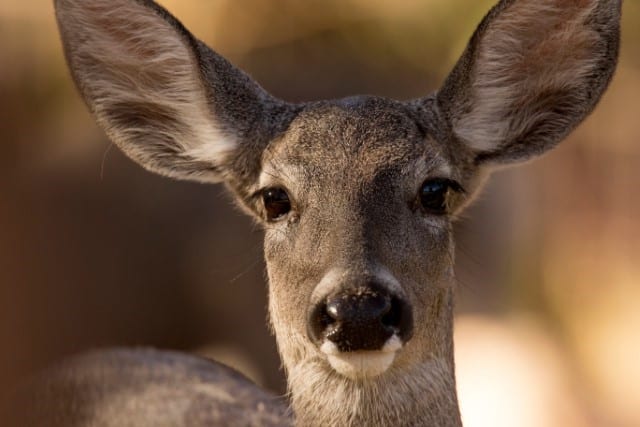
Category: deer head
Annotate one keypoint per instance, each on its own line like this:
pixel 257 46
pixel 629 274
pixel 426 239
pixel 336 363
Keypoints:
pixel 356 195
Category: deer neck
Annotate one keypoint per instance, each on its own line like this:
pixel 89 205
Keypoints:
pixel 425 396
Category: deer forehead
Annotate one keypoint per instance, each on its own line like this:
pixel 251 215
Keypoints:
pixel 355 141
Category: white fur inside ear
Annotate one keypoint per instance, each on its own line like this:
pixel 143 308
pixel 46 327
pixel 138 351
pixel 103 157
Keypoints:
pixel 531 49
pixel 362 364
pixel 141 78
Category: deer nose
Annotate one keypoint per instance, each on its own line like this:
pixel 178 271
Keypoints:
pixel 362 318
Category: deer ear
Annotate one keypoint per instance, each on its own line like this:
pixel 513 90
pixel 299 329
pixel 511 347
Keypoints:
pixel 532 71
pixel 168 101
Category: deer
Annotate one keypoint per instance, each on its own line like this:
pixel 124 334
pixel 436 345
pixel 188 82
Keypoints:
pixel 357 197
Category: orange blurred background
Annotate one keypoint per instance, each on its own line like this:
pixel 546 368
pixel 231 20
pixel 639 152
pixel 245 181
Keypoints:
pixel 96 252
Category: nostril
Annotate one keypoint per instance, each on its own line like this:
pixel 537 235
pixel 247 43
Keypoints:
pixel 319 322
pixel 393 317
pixel 400 318
pixel 325 316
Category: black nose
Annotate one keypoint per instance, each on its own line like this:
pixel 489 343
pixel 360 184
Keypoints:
pixel 362 318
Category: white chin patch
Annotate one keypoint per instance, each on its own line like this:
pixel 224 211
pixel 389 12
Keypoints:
pixel 362 364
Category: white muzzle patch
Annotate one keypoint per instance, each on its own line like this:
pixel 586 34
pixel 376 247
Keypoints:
pixel 362 364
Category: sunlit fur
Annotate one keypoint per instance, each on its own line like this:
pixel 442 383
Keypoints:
pixel 531 69
pixel 131 60
pixel 535 52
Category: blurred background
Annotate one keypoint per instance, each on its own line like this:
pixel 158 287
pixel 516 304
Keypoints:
pixel 96 252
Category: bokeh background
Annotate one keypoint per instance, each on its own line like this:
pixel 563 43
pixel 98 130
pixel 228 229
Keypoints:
pixel 96 252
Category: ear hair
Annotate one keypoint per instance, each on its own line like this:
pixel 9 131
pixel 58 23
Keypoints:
pixel 533 70
pixel 156 90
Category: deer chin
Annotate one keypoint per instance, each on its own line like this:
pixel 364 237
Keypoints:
pixel 358 365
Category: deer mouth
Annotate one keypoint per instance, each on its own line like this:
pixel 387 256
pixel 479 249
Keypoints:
pixel 362 364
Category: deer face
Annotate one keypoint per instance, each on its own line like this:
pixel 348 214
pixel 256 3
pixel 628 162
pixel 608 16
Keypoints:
pixel 359 247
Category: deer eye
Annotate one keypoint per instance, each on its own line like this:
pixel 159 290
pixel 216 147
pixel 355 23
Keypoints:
pixel 276 203
pixel 434 195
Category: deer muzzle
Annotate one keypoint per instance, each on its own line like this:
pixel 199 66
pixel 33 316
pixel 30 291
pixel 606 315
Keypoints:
pixel 360 329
